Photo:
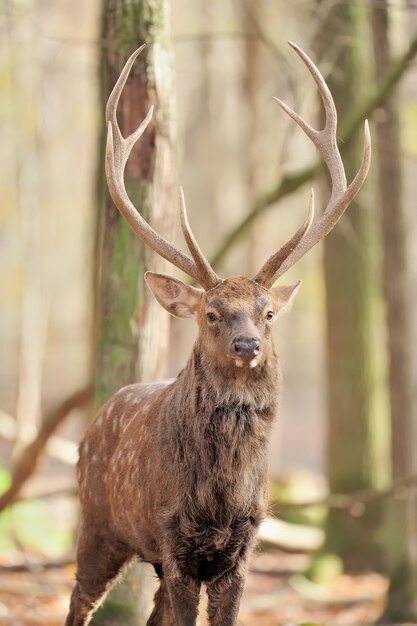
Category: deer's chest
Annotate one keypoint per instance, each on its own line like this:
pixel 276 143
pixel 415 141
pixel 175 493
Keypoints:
pixel 209 551
pixel 221 496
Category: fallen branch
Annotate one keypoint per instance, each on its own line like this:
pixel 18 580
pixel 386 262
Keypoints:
pixel 57 447
pixel 65 492
pixel 27 462
pixel 354 502
pixel 291 182
pixel 275 533
pixel 34 567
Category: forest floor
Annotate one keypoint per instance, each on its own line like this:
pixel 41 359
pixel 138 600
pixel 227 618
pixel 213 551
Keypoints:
pixel 276 593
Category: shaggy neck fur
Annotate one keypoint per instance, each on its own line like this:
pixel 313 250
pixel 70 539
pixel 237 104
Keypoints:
pixel 219 424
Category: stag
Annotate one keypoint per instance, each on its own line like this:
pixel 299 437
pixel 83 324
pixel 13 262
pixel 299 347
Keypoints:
pixel 175 472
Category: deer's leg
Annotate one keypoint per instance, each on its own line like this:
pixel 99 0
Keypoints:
pixel 184 595
pixel 162 614
pixel 100 558
pixel 224 598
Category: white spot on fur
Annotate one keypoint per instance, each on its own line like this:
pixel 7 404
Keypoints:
pixel 99 421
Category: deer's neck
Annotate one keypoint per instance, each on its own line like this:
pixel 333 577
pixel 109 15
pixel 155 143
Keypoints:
pixel 206 395
pixel 220 429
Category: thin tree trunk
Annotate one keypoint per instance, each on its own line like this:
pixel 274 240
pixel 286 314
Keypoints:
pixel 348 279
pixel 132 330
pixel 32 314
pixel 396 286
pixel 251 11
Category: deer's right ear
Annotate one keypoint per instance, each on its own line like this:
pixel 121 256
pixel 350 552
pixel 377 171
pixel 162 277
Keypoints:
pixel 178 299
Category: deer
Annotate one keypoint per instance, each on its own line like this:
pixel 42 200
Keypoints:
pixel 175 472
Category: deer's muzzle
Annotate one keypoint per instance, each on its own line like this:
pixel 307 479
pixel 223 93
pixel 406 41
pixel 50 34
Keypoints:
pixel 246 348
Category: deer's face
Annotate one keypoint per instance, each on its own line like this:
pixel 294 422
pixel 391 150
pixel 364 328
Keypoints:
pixel 234 318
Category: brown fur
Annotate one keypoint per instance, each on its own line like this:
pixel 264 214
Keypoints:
pixel 175 472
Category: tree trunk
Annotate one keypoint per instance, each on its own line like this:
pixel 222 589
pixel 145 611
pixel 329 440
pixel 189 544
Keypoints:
pixel 396 286
pixel 132 330
pixel 350 535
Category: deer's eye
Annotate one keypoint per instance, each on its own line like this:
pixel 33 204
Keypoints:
pixel 270 315
pixel 211 317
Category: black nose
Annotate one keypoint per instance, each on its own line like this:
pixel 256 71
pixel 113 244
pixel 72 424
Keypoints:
pixel 246 348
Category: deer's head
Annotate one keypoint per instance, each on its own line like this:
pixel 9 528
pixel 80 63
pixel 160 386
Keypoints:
pixel 234 315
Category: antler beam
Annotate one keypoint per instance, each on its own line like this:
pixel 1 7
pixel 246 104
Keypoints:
pixel 342 195
pixel 118 150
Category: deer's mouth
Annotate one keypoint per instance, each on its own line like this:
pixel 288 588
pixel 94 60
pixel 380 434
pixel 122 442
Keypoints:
pixel 246 363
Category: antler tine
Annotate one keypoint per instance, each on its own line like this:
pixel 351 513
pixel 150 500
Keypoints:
pixel 206 276
pixel 326 96
pixel 113 100
pixel 341 196
pixel 111 109
pixel 265 275
pixel 325 140
pixel 118 150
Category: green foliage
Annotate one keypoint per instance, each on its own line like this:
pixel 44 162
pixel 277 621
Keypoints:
pixel 324 569
pixel 31 525
pixel 5 480
pixel 409 128
pixel 113 611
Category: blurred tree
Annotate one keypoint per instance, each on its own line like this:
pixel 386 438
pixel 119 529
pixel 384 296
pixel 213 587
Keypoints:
pixel 396 286
pixel 132 330
pixel 251 13
pixel 350 535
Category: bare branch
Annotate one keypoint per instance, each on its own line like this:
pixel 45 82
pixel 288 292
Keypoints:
pixel 27 462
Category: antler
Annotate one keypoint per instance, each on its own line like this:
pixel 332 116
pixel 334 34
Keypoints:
pixel 342 195
pixel 118 150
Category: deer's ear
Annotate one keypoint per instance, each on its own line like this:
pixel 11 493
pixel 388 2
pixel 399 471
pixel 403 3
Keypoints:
pixel 178 299
pixel 284 296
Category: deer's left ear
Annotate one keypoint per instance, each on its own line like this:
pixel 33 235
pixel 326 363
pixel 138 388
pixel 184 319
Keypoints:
pixel 177 298
pixel 284 296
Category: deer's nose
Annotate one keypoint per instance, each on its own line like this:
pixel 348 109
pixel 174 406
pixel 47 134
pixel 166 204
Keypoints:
pixel 246 348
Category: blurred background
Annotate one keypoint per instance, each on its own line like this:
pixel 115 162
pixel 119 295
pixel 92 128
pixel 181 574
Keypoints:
pixel 76 322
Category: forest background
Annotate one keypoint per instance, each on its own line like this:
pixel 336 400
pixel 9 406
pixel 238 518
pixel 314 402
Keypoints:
pixel 76 322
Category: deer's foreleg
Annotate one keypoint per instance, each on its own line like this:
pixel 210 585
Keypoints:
pixel 162 614
pixel 184 595
pixel 224 598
